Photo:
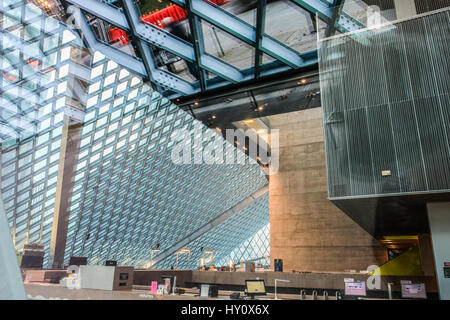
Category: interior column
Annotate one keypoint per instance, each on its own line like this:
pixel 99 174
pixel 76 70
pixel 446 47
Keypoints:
pixel 405 8
pixel 439 219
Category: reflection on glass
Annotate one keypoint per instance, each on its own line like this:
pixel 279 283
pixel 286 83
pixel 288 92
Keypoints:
pixel 86 141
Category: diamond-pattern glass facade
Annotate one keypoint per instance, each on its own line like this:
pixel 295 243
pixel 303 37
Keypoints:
pixel 226 237
pixel 127 195
pixel 34 61
pixel 256 248
pixel 35 55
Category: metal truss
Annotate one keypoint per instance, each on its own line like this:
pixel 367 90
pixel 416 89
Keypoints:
pixel 171 85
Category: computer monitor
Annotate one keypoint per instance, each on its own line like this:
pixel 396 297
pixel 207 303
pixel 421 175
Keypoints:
pixel 111 263
pixel 355 289
pixel 32 262
pixel 255 287
pixel 207 290
pixel 78 261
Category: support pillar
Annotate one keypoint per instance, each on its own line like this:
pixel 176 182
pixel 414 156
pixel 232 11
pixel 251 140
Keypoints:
pixel 426 255
pixel 70 143
pixel 307 231
pixel 439 219
pixel 405 8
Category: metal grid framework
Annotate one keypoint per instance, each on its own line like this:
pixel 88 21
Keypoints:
pixel 226 242
pixel 32 112
pixel 34 61
pixel 200 11
pixel 127 194
pixel 256 248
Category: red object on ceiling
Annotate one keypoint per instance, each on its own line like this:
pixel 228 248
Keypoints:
pixel 171 11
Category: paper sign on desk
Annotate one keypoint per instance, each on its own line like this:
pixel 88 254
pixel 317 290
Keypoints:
pixel 154 289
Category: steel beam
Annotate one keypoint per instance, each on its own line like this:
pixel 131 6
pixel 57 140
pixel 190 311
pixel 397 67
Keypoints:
pixel 323 10
pixel 260 24
pixel 103 11
pixel 129 62
pixel 327 12
pixel 160 77
pixel 156 36
pixel 331 28
pixel 199 48
pixel 130 20
pixel 157 76
pixel 163 39
pixel 221 218
pixel 245 32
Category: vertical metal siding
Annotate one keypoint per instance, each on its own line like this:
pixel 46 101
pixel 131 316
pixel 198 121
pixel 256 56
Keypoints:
pixel 386 106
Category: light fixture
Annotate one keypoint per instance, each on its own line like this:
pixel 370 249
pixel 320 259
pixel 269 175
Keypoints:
pixel 213 116
pixel 196 103
pixel 211 257
pixel 184 250
pixel 302 81
pixel 260 108
pixel 248 121
pixel 157 249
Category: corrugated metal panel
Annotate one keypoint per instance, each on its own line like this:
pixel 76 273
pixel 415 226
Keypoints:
pixel 387 108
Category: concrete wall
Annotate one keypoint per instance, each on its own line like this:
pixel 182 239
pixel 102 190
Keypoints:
pixel 306 230
pixel 405 8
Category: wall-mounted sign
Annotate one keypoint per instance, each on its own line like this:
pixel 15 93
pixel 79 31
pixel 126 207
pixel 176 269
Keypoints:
pixel 416 290
pixel 386 173
pixel 446 272
pixel 154 288
pixel 355 289
pixel 349 280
